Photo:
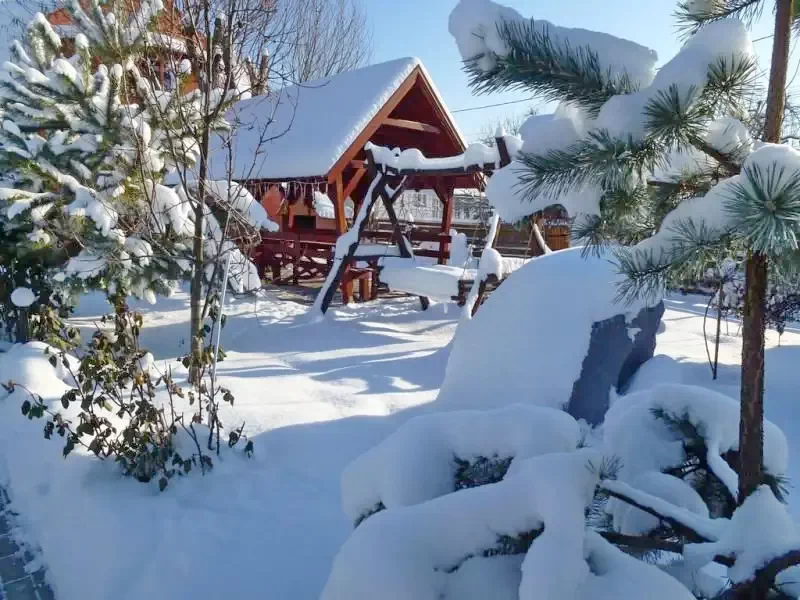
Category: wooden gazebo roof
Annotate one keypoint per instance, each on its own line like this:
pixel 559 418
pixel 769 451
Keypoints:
pixel 317 131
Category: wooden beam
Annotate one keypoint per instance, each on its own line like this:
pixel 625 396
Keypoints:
pixel 412 125
pixel 445 194
pixel 341 227
pixel 339 269
pixel 358 164
pixel 338 204
pixel 354 181
pixel 388 202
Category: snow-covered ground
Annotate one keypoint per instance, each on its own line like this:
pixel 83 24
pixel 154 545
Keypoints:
pixel 313 396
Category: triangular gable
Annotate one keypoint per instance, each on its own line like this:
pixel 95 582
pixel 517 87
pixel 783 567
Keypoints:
pixel 312 129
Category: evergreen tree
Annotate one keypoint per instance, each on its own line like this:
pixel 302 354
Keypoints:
pixel 722 191
pixel 85 145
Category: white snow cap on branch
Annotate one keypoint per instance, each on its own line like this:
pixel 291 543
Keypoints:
pixel 712 211
pixel 415 463
pixel 542 134
pixel 474 25
pixel 476 154
pixel 22 297
pixel 727 39
pixel 646 444
pixel 238 198
pixel 760 530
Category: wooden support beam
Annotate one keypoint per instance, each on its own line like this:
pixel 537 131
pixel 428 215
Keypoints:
pixel 388 202
pixel 358 164
pixel 354 181
pixel 445 194
pixel 338 270
pixel 412 125
pixel 338 205
pixel 341 227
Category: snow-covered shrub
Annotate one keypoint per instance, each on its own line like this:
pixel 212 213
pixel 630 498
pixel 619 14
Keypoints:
pixel 437 454
pixel 504 504
pixel 115 407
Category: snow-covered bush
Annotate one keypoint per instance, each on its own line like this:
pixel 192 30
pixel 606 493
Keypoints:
pixel 549 519
pixel 120 408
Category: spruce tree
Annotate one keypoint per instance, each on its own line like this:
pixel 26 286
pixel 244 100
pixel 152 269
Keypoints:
pixel 736 194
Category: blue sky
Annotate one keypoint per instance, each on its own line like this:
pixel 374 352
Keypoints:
pixel 419 28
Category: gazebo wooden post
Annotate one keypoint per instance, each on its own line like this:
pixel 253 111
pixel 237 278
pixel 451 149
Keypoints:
pixel 341 227
pixel 445 193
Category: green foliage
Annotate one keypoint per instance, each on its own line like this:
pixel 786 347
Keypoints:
pixel 765 205
pixel 481 471
pixel 691 17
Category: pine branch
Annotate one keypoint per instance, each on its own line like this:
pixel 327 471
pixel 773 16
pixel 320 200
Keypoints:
pixel 724 159
pixel 550 68
pixel 647 272
pixel 648 543
pixel 691 18
pixel 674 116
pixel 732 85
pixel 598 158
pixel 765 207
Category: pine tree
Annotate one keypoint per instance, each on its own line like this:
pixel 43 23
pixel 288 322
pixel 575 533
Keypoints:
pixel 86 143
pixel 736 193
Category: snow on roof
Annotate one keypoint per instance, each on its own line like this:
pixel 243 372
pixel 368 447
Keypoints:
pixel 302 130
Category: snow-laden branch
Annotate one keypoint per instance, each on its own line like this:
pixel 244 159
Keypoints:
pixel 680 518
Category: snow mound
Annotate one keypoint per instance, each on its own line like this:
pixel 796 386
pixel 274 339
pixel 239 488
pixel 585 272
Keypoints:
pixel 528 341
pixel 22 297
pixel 416 463
pixel 28 366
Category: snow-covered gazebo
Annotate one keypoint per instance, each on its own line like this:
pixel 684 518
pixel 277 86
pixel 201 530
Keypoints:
pixel 300 152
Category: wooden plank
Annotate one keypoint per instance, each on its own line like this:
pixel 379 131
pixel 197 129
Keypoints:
pixel 412 125
pixel 338 205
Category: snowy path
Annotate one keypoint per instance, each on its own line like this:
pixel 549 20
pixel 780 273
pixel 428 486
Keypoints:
pixel 313 396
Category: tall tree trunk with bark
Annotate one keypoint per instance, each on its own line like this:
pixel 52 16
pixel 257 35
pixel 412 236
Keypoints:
pixel 751 424
pixel 198 249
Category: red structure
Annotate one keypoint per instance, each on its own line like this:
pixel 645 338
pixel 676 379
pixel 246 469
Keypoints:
pixel 311 174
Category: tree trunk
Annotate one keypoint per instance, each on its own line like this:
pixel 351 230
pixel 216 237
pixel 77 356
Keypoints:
pixel 751 423
pixel 198 248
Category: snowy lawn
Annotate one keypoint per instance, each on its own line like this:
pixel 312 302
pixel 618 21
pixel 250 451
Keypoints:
pixel 313 397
